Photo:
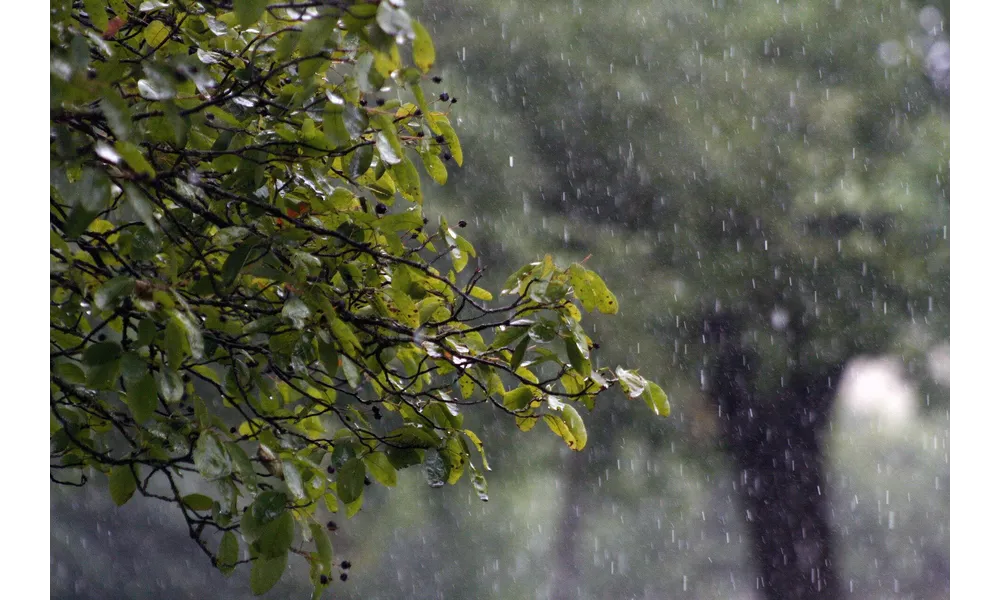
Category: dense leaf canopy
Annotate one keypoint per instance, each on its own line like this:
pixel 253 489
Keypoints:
pixel 245 290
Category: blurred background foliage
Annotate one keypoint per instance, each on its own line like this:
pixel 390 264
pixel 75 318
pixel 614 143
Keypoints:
pixel 785 161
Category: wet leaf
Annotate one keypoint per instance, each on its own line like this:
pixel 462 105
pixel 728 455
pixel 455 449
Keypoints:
pixel 423 48
pixel 266 572
pixel 121 484
pixel 228 554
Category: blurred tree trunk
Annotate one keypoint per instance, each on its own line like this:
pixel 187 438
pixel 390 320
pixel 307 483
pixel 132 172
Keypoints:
pixel 565 582
pixel 774 439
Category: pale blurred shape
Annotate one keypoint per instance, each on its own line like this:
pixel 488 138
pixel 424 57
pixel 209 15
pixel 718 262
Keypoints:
pixel 877 388
pixel 939 363
pixel 891 53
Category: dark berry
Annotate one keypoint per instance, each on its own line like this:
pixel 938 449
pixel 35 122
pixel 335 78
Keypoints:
pixel 343 576
pixel 368 481
pixel 454 100
pixel 420 134
pixel 91 74
pixel 436 79
pixel 425 220
pixel 376 413
pixel 446 156
pixel 363 102
pixel 444 96
pixel 380 102
pixel 101 337
pixel 209 117
pixel 331 526
pixel 323 579
pixel 381 208
pixel 418 113
pixel 345 564
pixel 186 378
pixel 439 139
pixel 232 430
pixel 331 470
pixel 597 346
pixel 463 223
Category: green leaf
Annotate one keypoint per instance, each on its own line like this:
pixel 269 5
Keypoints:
pixel 248 12
pixel 143 209
pixel 411 436
pixel 323 546
pixel 156 33
pixel 228 553
pixel 591 290
pixel 141 398
pixel 121 484
pixel 518 398
pixel 176 344
pixel 576 427
pixel 441 121
pixel 235 262
pixel 381 469
pixel 276 537
pixel 479 446
pixel 390 153
pixel 192 334
pixel 229 235
pixel 296 311
pixel 269 506
pixel 199 502
pixel 171 386
pixel 434 167
pixel 656 399
pixel 315 34
pixel 351 480
pixel 265 573
pixel 423 48
pixel 98 16
pixel 101 353
pixel 210 458
pixel 333 125
pixel 146 332
pixel 407 180
pixel 352 508
pixel 120 8
pixel 481 294
pixel 580 364
pixel 518 355
pixel 402 458
pixel 241 462
pixel 293 479
pixel 466 386
pixel 133 155
pixel 569 426
pixel 631 382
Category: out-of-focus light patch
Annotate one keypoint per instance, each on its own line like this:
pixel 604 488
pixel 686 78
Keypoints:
pixel 780 318
pixel 891 53
pixel 877 389
pixel 939 364
pixel 931 20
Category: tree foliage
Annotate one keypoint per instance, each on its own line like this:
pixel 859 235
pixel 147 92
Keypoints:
pixel 245 290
